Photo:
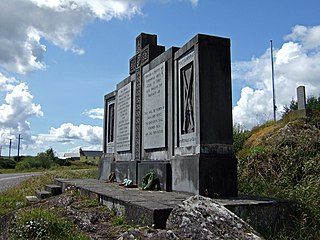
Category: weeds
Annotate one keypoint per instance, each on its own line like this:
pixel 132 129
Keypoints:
pixel 118 221
pixel 284 162
pixel 43 224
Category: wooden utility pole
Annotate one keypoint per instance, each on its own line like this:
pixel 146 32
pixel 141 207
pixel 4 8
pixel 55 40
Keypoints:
pixel 19 138
pixel 10 144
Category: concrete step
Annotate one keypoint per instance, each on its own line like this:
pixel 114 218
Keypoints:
pixel 31 199
pixel 42 194
pixel 53 189
pixel 60 182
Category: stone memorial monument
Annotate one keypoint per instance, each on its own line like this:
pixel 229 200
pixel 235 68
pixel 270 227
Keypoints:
pixel 173 116
pixel 301 100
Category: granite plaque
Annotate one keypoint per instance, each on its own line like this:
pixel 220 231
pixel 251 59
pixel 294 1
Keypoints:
pixel 110 127
pixel 124 118
pixel 187 136
pixel 154 112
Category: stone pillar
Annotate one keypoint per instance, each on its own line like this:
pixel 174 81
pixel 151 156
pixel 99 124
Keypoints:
pixel 108 136
pixel 301 96
pixel 204 163
pixel 301 99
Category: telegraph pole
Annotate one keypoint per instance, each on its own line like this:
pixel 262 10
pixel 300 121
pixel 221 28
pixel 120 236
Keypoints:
pixel 19 138
pixel 272 76
pixel 10 148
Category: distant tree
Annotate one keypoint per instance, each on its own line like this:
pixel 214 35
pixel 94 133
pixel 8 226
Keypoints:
pixel 313 104
pixel 43 160
pixel 6 163
pixel 50 153
pixel 287 109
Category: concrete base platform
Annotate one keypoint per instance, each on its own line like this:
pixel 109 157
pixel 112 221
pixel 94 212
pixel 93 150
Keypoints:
pixel 153 208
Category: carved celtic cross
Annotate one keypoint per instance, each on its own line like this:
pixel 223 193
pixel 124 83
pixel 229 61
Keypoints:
pixel 146 50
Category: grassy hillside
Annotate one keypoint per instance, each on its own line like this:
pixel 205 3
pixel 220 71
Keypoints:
pixel 282 159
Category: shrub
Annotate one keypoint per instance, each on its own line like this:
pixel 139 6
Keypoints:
pixel 7 163
pixel 240 135
pixel 62 162
pixel 28 163
pixel 38 162
pixel 44 160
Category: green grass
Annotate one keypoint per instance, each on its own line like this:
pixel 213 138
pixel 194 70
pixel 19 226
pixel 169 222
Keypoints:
pixel 43 224
pixel 120 222
pixel 14 198
pixel 285 164
pixel 74 166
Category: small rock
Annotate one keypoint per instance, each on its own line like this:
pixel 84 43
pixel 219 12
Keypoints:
pixel 19 204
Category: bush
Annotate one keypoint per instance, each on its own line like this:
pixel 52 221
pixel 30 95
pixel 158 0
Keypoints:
pixel 28 163
pixel 240 135
pixel 44 160
pixel 7 163
pixel 38 162
pixel 62 162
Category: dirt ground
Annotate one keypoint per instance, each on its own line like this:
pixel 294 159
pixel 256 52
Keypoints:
pixel 91 219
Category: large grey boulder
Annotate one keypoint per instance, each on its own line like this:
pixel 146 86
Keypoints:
pixel 202 218
pixel 199 218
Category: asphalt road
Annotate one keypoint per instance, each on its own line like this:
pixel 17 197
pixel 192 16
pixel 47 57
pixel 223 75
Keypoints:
pixel 13 179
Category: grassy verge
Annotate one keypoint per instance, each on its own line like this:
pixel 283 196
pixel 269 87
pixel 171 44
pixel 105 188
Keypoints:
pixel 43 224
pixel 74 166
pixel 14 198
pixel 69 216
pixel 283 160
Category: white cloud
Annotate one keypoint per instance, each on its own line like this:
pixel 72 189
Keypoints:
pixel 194 2
pixel 7 83
pixel 68 132
pixel 24 22
pixel 95 113
pixel 252 108
pixel 25 27
pixel 297 62
pixel 308 36
pixel 17 108
pixel 105 10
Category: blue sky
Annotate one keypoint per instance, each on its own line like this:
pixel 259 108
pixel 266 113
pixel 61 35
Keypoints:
pixel 58 58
